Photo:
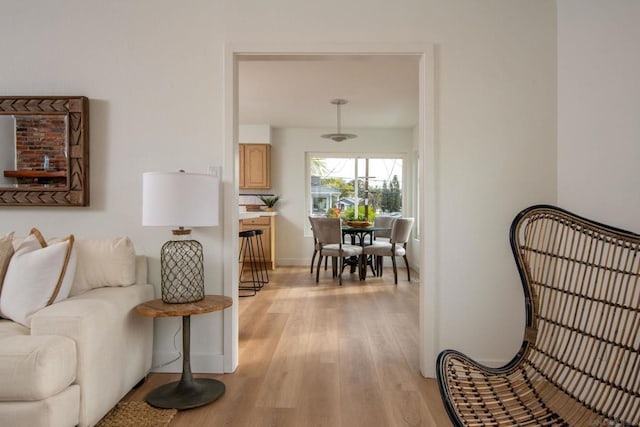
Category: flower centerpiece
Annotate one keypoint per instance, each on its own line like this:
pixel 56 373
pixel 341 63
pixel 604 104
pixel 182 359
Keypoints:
pixel 269 201
pixel 333 213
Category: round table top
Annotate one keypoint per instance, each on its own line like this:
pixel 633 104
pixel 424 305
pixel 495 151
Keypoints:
pixel 159 308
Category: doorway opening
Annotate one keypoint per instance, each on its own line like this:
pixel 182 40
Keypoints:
pixel 422 195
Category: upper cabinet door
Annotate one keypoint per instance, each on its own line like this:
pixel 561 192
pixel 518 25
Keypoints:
pixel 255 166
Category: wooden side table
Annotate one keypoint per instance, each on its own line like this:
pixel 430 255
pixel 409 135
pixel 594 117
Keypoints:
pixel 188 392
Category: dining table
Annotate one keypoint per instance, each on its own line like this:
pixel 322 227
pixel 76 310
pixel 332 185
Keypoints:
pixel 359 236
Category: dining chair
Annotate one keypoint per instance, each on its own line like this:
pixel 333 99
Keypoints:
pixel 315 245
pixel 329 238
pixel 315 249
pixel 397 246
pixel 382 221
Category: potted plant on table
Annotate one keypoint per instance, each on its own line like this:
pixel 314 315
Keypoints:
pixel 269 201
pixel 359 220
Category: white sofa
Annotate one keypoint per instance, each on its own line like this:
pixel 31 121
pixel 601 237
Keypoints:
pixel 79 357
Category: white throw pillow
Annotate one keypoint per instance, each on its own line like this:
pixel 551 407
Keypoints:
pixel 38 275
pixel 104 262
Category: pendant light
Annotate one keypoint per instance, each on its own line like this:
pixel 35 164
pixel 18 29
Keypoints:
pixel 339 136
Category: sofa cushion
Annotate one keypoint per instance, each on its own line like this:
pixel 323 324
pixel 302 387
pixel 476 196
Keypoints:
pixel 38 275
pixel 9 328
pixel 104 262
pixel 61 409
pixel 35 367
pixel 6 252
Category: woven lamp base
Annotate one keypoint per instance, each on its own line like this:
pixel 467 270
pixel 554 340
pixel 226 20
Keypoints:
pixel 182 270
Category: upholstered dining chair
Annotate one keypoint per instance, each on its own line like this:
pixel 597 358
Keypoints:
pixel 315 245
pixel 315 249
pixel 397 246
pixel 329 239
pixel 383 222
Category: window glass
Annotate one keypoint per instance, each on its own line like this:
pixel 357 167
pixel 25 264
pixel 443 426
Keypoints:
pixel 345 185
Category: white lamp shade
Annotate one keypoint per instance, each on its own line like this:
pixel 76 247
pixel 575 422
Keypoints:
pixel 179 199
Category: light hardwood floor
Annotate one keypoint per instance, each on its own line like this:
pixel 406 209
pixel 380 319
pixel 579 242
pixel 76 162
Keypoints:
pixel 323 355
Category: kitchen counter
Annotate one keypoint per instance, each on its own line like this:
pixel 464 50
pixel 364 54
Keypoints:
pixel 256 214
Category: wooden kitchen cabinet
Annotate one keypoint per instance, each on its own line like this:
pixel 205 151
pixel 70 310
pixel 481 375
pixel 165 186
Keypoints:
pixel 255 166
pixel 268 226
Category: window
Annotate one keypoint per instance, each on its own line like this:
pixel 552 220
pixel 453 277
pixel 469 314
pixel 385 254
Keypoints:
pixel 344 184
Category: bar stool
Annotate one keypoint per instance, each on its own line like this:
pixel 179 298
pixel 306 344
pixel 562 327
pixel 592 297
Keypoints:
pixel 264 271
pixel 247 254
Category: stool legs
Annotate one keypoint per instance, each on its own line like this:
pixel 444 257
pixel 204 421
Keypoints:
pixel 252 253
pixel 264 270
pixel 247 255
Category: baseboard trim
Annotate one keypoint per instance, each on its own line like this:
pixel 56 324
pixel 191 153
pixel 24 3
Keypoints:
pixel 203 363
pixel 293 262
pixel 298 262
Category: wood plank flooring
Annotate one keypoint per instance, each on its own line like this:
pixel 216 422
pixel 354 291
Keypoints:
pixel 323 355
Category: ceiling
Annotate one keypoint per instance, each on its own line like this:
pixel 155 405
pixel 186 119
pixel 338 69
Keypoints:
pixel 295 91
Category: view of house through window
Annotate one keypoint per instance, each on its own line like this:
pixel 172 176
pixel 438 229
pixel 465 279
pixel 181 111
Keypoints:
pixel 344 186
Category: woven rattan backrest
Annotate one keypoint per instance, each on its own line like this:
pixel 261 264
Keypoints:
pixel 582 291
pixel 326 230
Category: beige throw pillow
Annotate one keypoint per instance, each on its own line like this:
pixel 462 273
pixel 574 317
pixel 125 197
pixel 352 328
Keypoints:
pixel 6 252
pixel 38 275
pixel 104 262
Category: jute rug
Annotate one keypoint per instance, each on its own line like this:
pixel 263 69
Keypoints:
pixel 137 414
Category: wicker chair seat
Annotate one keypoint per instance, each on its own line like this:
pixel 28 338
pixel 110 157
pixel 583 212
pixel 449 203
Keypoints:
pixel 517 397
pixel 579 363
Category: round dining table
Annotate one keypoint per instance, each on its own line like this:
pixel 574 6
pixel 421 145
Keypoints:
pixel 360 235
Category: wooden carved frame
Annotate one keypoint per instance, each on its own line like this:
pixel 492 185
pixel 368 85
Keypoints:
pixel 76 192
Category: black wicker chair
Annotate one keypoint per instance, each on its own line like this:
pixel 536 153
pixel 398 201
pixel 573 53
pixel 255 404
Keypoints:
pixel 579 364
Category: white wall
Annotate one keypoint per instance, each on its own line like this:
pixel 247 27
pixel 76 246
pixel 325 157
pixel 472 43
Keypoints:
pixel 154 73
pixel 288 159
pixel 257 134
pixel 496 131
pixel 599 110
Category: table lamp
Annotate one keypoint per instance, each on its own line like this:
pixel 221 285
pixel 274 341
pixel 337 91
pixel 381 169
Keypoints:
pixel 180 199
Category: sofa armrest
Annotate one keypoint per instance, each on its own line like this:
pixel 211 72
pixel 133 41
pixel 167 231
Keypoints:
pixel 114 343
